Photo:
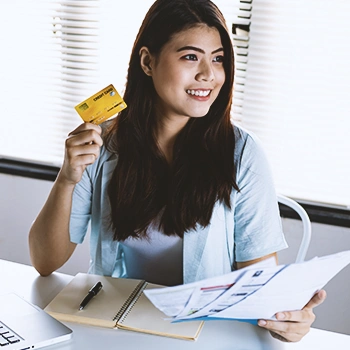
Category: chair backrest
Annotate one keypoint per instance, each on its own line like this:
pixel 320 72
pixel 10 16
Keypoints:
pixel 305 242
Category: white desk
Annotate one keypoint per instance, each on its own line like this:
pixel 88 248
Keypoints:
pixel 216 335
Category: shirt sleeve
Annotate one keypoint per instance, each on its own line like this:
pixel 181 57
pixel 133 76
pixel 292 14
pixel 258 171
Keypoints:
pixel 81 209
pixel 258 228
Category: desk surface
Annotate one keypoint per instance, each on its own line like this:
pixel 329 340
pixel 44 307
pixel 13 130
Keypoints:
pixel 216 335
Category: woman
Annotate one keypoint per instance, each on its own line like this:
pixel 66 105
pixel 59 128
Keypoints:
pixel 177 193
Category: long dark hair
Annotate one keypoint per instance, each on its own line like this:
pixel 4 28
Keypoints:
pixel 202 173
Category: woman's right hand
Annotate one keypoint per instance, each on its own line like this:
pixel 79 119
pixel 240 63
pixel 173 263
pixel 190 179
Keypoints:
pixel 82 149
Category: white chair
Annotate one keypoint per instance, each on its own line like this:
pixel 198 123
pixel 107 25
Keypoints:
pixel 305 242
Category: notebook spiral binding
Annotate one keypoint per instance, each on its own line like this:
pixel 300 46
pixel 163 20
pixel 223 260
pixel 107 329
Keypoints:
pixel 130 302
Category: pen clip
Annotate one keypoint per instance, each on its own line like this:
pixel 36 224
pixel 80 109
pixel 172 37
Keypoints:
pixel 94 290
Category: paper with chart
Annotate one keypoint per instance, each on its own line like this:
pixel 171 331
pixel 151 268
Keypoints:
pixel 190 298
pixel 258 291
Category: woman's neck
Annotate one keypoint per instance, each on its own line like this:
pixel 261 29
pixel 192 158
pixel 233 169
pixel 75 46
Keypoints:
pixel 167 131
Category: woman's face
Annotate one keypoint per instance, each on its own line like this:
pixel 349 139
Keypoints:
pixel 189 73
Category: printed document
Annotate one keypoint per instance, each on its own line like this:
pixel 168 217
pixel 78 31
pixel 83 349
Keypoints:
pixel 256 292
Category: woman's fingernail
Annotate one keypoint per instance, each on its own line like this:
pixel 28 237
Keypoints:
pixel 262 323
pixel 280 316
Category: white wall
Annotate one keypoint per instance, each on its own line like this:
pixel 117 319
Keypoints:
pixel 334 313
pixel 20 201
pixel 22 198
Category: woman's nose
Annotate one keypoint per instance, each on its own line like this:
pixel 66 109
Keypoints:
pixel 205 72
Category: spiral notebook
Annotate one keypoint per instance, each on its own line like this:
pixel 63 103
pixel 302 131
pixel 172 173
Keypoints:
pixel 120 304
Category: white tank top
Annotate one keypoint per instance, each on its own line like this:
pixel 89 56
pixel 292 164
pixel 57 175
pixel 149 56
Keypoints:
pixel 156 259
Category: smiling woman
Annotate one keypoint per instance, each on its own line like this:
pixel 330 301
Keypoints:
pixel 83 46
pixel 174 191
pixel 172 72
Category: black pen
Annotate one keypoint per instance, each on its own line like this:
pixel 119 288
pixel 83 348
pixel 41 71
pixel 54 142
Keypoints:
pixel 92 292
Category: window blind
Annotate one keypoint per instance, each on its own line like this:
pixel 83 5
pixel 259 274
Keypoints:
pixel 54 55
pixel 29 60
pixel 293 93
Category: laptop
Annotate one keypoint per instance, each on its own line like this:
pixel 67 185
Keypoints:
pixel 24 326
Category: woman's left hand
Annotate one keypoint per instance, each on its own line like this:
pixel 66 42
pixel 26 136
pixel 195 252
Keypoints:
pixel 292 326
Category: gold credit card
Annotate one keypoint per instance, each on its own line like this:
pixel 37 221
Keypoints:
pixel 101 106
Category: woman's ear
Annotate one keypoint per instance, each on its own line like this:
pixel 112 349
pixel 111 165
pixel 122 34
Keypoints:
pixel 146 60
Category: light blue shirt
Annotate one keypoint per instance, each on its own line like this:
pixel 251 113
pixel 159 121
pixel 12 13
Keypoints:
pixel 250 230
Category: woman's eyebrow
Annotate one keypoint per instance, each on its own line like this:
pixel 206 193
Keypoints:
pixel 193 48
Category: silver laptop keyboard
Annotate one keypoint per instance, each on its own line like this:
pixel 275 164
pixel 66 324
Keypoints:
pixel 7 336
